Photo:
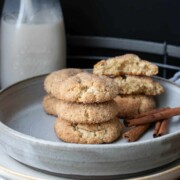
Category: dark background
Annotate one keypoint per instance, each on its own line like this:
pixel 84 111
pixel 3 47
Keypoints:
pixel 153 20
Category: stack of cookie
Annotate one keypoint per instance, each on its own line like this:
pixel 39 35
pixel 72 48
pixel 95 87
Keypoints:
pixel 84 105
pixel 136 87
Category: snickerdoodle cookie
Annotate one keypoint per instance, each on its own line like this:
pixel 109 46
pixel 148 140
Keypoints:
pixel 129 84
pixel 86 88
pixel 57 77
pixel 126 64
pixel 87 113
pixel 79 112
pixel 130 105
pixel 106 132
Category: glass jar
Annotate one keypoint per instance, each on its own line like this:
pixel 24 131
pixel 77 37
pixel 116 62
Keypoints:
pixel 32 39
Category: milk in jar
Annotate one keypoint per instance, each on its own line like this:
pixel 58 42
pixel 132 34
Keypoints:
pixel 31 49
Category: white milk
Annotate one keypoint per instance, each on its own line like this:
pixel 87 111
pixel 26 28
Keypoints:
pixel 30 50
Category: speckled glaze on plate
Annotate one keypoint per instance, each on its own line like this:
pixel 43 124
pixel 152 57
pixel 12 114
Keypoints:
pixel 27 135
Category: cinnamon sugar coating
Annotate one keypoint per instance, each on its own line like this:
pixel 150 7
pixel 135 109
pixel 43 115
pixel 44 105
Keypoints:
pixel 59 76
pixel 85 88
pixel 106 132
pixel 79 112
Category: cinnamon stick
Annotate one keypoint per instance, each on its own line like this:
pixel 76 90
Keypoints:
pixel 135 133
pixel 144 114
pixel 150 112
pixel 165 114
pixel 156 129
pixel 163 128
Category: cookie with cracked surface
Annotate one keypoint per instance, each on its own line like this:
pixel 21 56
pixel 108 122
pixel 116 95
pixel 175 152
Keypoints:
pixel 79 112
pixel 106 132
pixel 57 77
pixel 87 113
pixel 129 84
pixel 126 64
pixel 86 88
pixel 130 105
pixel 49 104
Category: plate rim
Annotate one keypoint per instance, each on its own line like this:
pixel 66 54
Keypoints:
pixel 159 173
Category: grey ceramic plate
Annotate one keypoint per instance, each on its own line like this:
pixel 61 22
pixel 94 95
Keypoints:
pixel 27 135
pixel 11 169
